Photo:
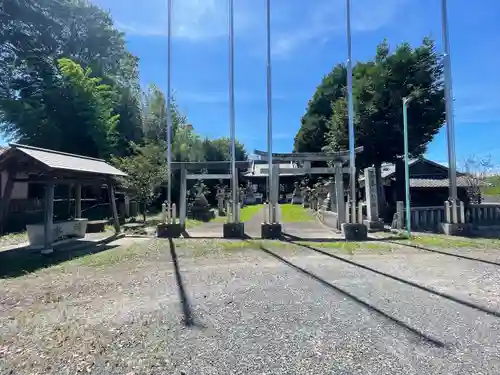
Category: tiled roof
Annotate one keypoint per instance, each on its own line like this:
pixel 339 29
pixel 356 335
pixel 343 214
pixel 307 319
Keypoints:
pixel 389 169
pixel 60 160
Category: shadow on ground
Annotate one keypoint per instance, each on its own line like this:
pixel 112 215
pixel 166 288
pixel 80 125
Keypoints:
pixel 21 261
pixel 401 280
pixel 365 304
pixel 452 254
pixel 188 319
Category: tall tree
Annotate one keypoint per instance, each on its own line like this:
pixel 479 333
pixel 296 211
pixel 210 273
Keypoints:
pixel 34 36
pixel 379 87
pixel 73 114
pixel 154 110
pixel 311 135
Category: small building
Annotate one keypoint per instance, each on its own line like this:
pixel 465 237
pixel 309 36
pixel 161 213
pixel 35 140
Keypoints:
pixel 429 183
pixel 25 168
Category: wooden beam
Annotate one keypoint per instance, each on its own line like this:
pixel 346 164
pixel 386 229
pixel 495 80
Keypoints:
pixel 208 176
pixel 49 217
pixel 302 171
pixel 69 181
pixel 213 165
pixel 112 203
pixel 78 201
pixel 308 156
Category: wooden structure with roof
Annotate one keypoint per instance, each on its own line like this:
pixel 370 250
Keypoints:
pixel 48 167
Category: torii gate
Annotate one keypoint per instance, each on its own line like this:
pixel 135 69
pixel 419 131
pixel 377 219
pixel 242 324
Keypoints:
pixel 339 159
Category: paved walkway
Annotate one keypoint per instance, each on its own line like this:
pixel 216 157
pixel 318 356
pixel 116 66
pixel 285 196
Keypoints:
pixel 215 229
pixel 206 230
pixel 307 230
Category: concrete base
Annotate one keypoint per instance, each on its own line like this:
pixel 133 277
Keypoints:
pixel 456 229
pixel 374 226
pixel 354 232
pixel 168 230
pixel 271 231
pixel 233 230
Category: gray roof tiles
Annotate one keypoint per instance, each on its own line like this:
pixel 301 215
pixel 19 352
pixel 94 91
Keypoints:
pixel 60 160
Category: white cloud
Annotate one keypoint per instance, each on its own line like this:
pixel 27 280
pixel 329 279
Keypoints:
pixel 191 19
pixel 327 19
pixel 294 22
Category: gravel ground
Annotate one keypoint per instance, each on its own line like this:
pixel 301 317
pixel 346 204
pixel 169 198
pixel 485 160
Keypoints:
pixel 247 311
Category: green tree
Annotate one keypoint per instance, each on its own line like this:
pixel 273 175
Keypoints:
pixel 311 135
pixel 34 36
pixel 74 113
pixel 379 87
pixel 146 169
pixel 154 110
pixel 220 149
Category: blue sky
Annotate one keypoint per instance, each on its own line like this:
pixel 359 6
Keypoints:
pixel 308 38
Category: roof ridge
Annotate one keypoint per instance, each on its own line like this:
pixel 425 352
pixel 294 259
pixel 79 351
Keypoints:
pixel 18 145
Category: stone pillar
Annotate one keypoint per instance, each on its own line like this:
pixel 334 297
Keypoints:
pixel 339 193
pixel 127 205
pixel 373 221
pixel 454 211
pixel 447 213
pixel 333 197
pixel 400 215
pixel 371 194
pixel 183 198
pixel 461 216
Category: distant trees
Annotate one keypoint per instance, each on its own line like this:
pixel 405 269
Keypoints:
pixel 67 82
pixel 477 173
pixel 146 169
pixel 52 50
pixel 378 89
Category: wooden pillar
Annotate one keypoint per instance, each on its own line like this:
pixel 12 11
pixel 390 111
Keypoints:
pixel 49 217
pixel 112 203
pixel 5 201
pixel 78 201
pixel 183 198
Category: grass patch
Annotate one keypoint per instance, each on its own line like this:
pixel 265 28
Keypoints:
pixel 248 212
pixel 447 242
pixel 294 213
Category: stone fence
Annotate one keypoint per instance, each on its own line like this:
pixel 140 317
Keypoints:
pixel 483 214
pixel 429 219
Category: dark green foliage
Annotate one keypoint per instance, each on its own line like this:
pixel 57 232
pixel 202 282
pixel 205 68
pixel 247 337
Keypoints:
pixel 378 89
pixel 311 135
pixel 37 106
